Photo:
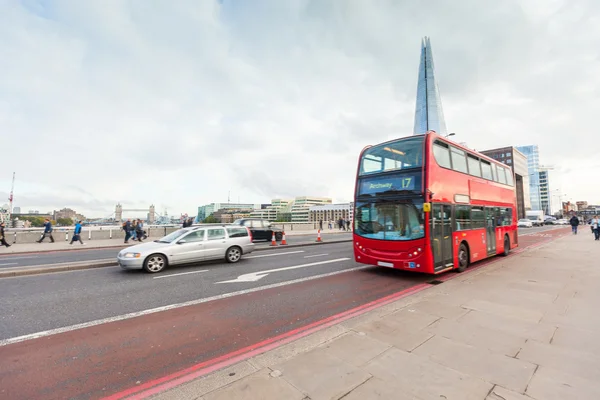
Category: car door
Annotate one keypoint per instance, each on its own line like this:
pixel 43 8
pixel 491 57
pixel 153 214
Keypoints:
pixel 258 232
pixel 189 248
pixel 215 244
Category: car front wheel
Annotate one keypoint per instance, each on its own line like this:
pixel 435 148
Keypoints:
pixel 155 263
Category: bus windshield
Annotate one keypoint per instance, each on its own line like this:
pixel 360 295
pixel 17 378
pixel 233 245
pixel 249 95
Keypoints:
pixel 390 219
pixel 400 154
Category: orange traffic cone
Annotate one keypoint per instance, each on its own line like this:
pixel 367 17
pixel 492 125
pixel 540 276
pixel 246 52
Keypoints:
pixel 273 241
pixel 319 236
pixel 283 242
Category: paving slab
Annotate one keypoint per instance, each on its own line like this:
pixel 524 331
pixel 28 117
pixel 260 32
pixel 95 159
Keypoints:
pixel 579 363
pixel 355 349
pixel 321 375
pixel 491 339
pixel 541 332
pixel 500 393
pixel 258 386
pixel 552 384
pixel 498 369
pixel 423 378
pixel 209 383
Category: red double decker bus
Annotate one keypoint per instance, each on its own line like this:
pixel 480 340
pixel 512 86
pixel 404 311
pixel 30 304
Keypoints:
pixel 424 203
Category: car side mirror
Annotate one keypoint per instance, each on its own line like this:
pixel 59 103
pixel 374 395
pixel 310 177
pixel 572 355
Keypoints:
pixel 182 241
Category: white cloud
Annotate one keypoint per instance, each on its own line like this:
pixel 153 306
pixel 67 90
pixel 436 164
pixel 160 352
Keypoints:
pixel 178 103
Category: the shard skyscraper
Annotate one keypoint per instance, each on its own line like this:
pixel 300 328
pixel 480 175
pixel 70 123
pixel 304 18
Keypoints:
pixel 428 114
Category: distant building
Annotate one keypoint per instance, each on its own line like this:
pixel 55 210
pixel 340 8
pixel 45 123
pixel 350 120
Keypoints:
pixel 16 210
pixel 428 110
pixel 228 216
pixel 284 210
pixel 581 205
pixel 517 161
pixel 210 209
pixel 533 166
pixel 332 212
pixel 65 213
pixel 302 205
pixel 279 210
pixel 545 195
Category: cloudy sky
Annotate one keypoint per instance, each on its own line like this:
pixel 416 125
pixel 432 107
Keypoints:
pixel 178 103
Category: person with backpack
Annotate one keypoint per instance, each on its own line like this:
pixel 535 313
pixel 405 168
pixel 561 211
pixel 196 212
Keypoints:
pixel 77 233
pixel 139 231
pixel 47 231
pixel 574 221
pixel 3 241
pixel 127 229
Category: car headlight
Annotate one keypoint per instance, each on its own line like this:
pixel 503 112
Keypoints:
pixel 132 255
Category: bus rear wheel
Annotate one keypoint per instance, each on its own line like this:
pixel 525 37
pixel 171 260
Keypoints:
pixel 463 258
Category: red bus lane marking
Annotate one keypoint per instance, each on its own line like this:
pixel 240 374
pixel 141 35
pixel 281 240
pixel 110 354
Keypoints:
pixel 165 383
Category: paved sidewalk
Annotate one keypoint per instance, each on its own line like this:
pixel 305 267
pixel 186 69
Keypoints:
pixel 522 328
pixel 62 243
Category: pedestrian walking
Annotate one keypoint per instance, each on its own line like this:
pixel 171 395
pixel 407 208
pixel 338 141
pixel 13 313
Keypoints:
pixel 3 241
pixel 574 224
pixel 47 231
pixel 139 230
pixel 77 233
pixel 596 227
pixel 321 224
pixel 127 228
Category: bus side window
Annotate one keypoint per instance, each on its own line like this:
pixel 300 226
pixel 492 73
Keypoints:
pixel 477 217
pixel 507 217
pixel 463 218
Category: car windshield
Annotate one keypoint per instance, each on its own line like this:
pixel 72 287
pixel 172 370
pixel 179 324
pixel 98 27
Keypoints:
pixel 523 220
pixel 171 237
pixel 390 219
pixel 400 154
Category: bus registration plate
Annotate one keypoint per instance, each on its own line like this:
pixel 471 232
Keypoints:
pixel 385 264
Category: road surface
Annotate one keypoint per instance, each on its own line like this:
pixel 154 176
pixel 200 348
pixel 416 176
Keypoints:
pixel 262 297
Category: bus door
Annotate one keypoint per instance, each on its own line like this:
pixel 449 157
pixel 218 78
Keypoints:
pixel 490 230
pixel 441 236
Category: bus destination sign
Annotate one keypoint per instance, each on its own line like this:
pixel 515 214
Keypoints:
pixel 393 183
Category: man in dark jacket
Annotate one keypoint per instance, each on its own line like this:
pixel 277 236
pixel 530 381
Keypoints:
pixel 47 231
pixel 3 241
pixel 127 228
pixel 574 224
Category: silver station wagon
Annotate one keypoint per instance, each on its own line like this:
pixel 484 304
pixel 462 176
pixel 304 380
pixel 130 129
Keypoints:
pixel 189 245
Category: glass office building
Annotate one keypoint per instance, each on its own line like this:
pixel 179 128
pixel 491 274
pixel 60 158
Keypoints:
pixel 533 168
pixel 428 111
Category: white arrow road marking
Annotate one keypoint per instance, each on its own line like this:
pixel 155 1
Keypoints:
pixel 181 273
pixel 275 254
pixel 254 276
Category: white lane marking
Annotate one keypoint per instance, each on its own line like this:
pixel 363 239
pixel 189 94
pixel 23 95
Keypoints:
pixel 56 331
pixel 275 254
pixel 9 264
pixel 254 276
pixel 317 255
pixel 18 258
pixel 181 273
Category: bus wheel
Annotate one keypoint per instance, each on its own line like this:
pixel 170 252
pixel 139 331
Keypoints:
pixel 506 246
pixel 463 258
